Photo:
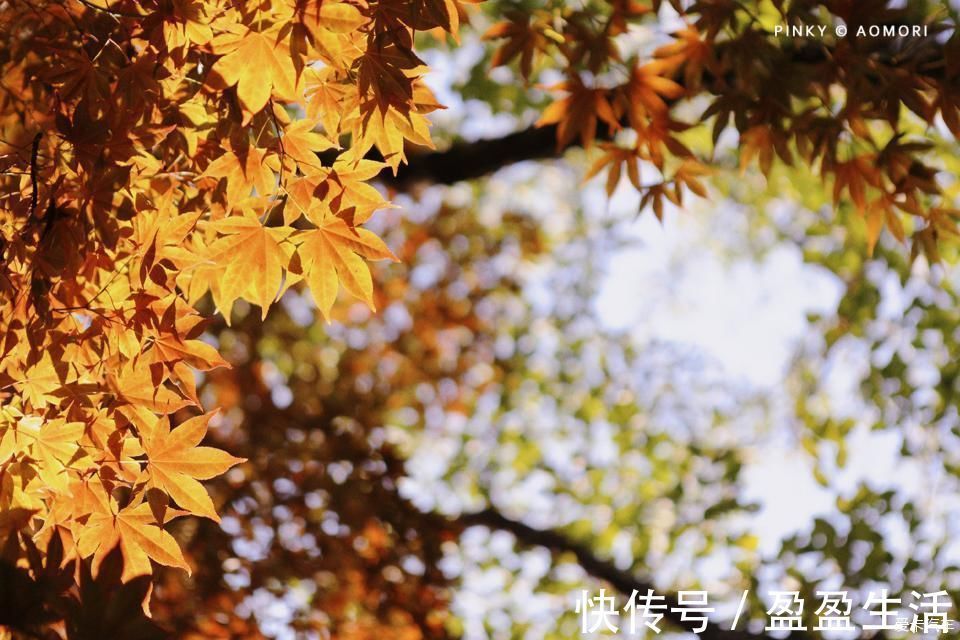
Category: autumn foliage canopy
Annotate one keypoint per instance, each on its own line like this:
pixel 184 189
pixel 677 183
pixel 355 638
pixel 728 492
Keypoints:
pixel 163 160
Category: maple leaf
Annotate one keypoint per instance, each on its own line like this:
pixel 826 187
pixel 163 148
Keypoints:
pixel 855 176
pixel 171 349
pixel 690 51
pixel 142 385
pixel 578 113
pixel 385 74
pixel 336 17
pixel 134 528
pixel 648 90
pixel 389 129
pixel 43 381
pixel 333 254
pixel 302 143
pixel 55 443
pixel 175 463
pixel 425 15
pixel 248 262
pixel 762 141
pixel 159 234
pixel 351 195
pixel 174 340
pixel 188 23
pixel 249 170
pixel 615 158
pixel 330 98
pixel 524 37
pixel 260 65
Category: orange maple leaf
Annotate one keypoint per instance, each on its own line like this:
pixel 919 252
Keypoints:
pixel 248 262
pixel 260 65
pixel 55 443
pixel 301 143
pixel 134 528
pixel 331 255
pixel 248 170
pixel 142 385
pixel 175 463
pixel 578 113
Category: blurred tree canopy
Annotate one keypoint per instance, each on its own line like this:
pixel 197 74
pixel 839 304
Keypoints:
pixel 462 442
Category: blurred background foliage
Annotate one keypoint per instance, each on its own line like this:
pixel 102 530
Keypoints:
pixel 489 378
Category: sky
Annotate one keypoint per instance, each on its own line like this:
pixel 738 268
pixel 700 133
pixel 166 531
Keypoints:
pixel 690 281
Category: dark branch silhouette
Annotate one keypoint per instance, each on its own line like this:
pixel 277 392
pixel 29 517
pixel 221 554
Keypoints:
pixel 469 160
pixel 623 581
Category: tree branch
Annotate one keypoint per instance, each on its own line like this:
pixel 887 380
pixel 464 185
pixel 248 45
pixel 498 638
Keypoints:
pixel 623 581
pixel 111 12
pixel 469 160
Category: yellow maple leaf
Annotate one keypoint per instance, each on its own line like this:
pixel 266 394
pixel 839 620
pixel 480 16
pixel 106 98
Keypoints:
pixel 138 384
pixel 43 381
pixel 134 528
pixel 332 254
pixel 351 196
pixel 301 143
pixel 244 169
pixel 175 463
pixel 333 28
pixel 248 262
pixel 260 65
pixel 389 129
pixel 330 96
pixel 54 444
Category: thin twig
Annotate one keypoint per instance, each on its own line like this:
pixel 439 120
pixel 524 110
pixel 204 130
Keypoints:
pixel 34 182
pixel 111 12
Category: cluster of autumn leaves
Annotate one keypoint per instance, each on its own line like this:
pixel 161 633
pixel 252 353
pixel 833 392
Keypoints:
pixel 641 103
pixel 844 107
pixel 154 152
